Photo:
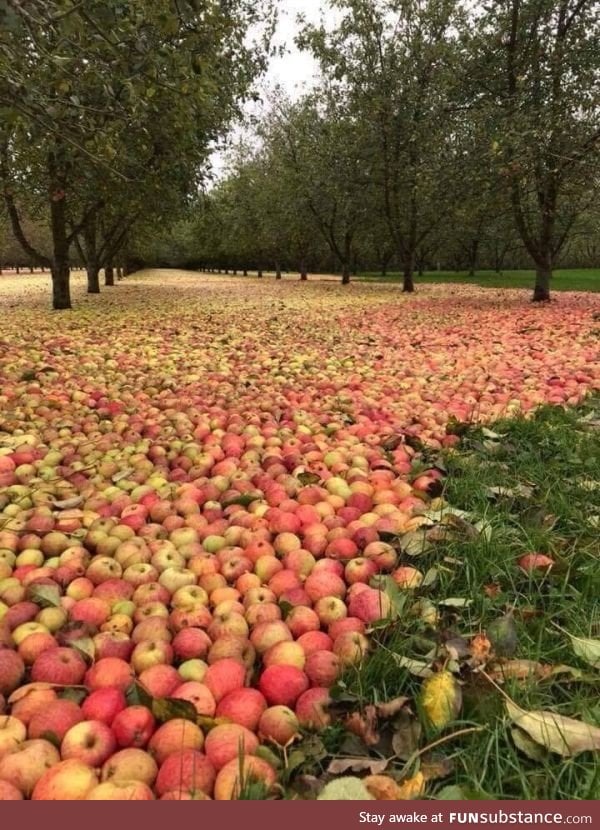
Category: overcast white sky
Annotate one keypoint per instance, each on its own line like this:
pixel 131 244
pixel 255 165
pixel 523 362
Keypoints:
pixel 294 70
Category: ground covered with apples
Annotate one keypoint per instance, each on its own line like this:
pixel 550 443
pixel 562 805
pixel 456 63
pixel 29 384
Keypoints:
pixel 267 539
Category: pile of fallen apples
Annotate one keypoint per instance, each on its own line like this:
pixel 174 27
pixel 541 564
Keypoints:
pixel 190 542
pixel 244 593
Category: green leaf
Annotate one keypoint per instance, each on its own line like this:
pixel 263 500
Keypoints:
pixel 306 479
pixel 85 646
pixel 420 668
pixel 74 694
pixel 52 737
pixel 169 708
pixel 244 499
pixel 46 596
pixel 136 695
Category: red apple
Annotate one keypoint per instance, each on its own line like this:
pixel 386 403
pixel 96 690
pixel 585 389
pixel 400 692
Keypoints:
pixel 228 741
pixel 282 684
pixel 104 704
pixel 188 769
pixel 133 727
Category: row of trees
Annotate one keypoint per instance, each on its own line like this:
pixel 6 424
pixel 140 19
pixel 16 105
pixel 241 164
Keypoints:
pixel 108 114
pixel 441 132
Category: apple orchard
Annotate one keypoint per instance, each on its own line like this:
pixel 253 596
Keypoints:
pixel 206 486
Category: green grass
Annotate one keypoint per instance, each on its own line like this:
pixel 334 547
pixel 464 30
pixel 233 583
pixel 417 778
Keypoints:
pixel 574 279
pixel 549 467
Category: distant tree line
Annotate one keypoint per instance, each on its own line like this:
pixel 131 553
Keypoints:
pixel 108 116
pixel 442 134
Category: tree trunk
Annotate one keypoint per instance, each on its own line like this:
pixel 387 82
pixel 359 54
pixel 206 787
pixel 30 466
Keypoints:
pixel 541 291
pixel 245 272
pixel 277 270
pixel 345 274
pixel 303 271
pixel 109 275
pixel 31 269
pixel 18 269
pixel 408 272
pixel 260 273
pixel 120 272
pixel 92 266
pixel 473 249
pixel 61 289
pixel 93 279
pixel 61 272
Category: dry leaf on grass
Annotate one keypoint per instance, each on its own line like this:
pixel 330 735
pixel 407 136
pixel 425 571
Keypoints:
pixel 384 788
pixel 561 735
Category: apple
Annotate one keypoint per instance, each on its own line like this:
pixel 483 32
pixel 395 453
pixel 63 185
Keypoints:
pixel 27 763
pixel 282 684
pixel 190 643
pixel 9 793
pixel 311 708
pixel 285 654
pixel 55 719
pixel 407 577
pixel 109 672
pixel 224 676
pixel 104 704
pixel 133 727
pixel 68 780
pixel 150 653
pixel 323 584
pixel 12 733
pixel 29 699
pixel 121 791
pixel 93 611
pixel 130 764
pixel 187 769
pixel 242 706
pixel 173 736
pixel 185 794
pixel 91 742
pixel 323 668
pixel 199 695
pixel 278 724
pixel 302 619
pixel 330 609
pixel 63 666
pixel 152 627
pixel 347 624
pixel 237 774
pixel 113 644
pixel 370 605
pixel 265 635
pixel 193 669
pixel 313 641
pixel 228 741
pixel 351 648
pixel 12 670
pixel 160 680
pixel 530 563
